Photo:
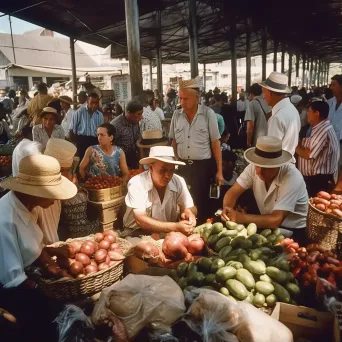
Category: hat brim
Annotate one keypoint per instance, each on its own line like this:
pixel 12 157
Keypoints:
pixel 63 191
pixel 148 143
pixel 149 160
pixel 287 90
pixel 267 163
pixel 65 101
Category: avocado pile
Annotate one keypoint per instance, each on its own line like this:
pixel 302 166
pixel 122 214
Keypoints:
pixel 244 265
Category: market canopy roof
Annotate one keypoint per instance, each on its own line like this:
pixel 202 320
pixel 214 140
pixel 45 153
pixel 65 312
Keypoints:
pixel 306 27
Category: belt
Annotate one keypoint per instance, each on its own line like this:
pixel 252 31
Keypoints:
pixel 191 161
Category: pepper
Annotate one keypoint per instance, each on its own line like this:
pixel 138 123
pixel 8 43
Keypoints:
pixel 296 272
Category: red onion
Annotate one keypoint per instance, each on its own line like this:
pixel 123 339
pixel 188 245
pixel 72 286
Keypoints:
pixel 90 269
pixel 100 256
pixel 76 268
pixel 110 238
pixel 98 237
pixel 83 259
pixel 175 245
pixel 104 244
pixel 114 246
pixel 103 266
pixel 109 232
pixel 113 255
pixel 71 251
pixel 146 250
pixel 196 246
pixel 87 249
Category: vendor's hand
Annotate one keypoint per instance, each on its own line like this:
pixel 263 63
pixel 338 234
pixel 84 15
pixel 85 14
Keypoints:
pixel 9 317
pixel 219 178
pixel 229 214
pixel 188 215
pixel 185 227
pixel 62 255
pixel 118 329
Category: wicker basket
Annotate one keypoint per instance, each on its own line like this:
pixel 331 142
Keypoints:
pixel 324 229
pixel 72 289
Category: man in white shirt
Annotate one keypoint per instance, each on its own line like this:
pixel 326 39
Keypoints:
pixel 25 148
pixel 66 103
pixel 279 190
pixel 154 197
pixel 285 121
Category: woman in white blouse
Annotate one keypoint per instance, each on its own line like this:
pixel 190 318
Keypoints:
pixel 48 128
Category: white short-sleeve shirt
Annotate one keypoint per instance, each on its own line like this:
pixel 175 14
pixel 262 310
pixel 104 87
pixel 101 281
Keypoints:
pixel 144 196
pixel 21 241
pixel 287 192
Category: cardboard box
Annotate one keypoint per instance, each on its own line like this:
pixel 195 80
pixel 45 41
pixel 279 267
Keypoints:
pixel 107 211
pixel 106 226
pixel 308 323
pixel 105 195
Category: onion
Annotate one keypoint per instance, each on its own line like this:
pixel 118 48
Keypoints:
pixel 87 249
pixel 100 256
pixel 71 251
pixel 93 262
pixel 196 246
pixel 77 245
pixel 98 237
pixel 146 250
pixel 115 256
pixel 114 246
pixel 110 238
pixel 119 250
pixel 109 232
pixel 90 269
pixel 103 266
pixel 188 257
pixel 175 245
pixel 65 274
pixel 81 275
pixel 96 246
pixel 83 259
pixel 104 244
pixel 76 268
pixel 53 270
pixel 107 259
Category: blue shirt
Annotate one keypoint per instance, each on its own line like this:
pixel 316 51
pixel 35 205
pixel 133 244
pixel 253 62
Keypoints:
pixel 82 123
pixel 335 117
pixel 220 123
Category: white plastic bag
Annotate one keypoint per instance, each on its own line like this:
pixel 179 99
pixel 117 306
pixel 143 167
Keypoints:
pixel 216 318
pixel 140 301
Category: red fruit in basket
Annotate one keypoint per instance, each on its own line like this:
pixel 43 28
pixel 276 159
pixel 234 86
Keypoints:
pixel 111 238
pixel 65 274
pixel 109 232
pixel 107 259
pixel 76 268
pixel 87 249
pixel 103 266
pixel 81 275
pixel 77 245
pixel 104 244
pixel 71 251
pixel 93 262
pixel 98 237
pixel 100 256
pixel 115 256
pixel 114 246
pixel 90 269
pixel 83 259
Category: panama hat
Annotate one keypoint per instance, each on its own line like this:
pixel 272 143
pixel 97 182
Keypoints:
pixel 162 153
pixel 295 99
pixel 277 82
pixel 66 99
pixel 195 83
pixel 63 150
pixel 40 176
pixel 49 110
pixel 152 137
pixel 268 153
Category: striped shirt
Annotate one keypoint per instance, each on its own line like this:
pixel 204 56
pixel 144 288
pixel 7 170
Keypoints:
pixel 324 151
pixel 83 123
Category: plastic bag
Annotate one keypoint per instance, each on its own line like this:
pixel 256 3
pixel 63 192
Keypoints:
pixel 216 318
pixel 139 301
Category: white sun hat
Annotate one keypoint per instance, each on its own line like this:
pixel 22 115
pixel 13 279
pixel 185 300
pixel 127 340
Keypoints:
pixel 195 83
pixel 40 176
pixel 277 82
pixel 63 150
pixel 161 153
pixel 268 153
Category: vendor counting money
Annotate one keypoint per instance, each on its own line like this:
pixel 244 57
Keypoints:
pixel 278 187
pixel 154 196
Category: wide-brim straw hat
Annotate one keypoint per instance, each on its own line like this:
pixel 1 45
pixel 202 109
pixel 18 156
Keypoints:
pixel 40 176
pixel 195 83
pixel 62 150
pixel 49 110
pixel 161 153
pixel 66 99
pixel 268 153
pixel 277 82
pixel 152 137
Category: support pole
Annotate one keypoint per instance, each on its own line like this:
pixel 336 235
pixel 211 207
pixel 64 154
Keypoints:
pixel 204 76
pixel 275 55
pixel 319 79
pixel 73 72
pixel 10 22
pixel 297 68
pixel 315 73
pixel 193 47
pixel 307 71
pixel 328 77
pixel 283 60
pixel 133 44
pixel 303 71
pixel 311 73
pixel 159 55
pixel 264 52
pixel 233 61
pixel 248 54
pixel 151 74
pixel 290 69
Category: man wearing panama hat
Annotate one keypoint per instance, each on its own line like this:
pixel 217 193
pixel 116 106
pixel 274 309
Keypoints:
pixel 285 121
pixel 278 187
pixel 154 196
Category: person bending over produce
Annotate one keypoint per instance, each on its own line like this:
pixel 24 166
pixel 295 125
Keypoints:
pixel 278 187
pixel 154 196
pixel 38 183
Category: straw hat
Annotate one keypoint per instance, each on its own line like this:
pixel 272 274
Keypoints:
pixel 49 110
pixel 295 99
pixel 152 137
pixel 40 176
pixel 63 150
pixel 162 153
pixel 66 99
pixel 277 82
pixel 268 153
pixel 195 83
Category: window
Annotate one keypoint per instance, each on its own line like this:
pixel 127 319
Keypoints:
pixel 208 78
pixel 51 80
pixel 37 80
pixel 20 82
pixel 224 76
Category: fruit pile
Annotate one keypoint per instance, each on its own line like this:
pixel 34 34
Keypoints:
pixel 103 182
pixel 247 266
pixel 5 160
pixel 328 204
pixel 134 172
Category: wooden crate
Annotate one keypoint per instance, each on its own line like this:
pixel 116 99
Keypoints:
pixel 107 211
pixel 105 195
